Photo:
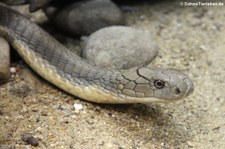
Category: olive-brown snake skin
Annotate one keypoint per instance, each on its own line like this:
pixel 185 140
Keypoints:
pixel 66 70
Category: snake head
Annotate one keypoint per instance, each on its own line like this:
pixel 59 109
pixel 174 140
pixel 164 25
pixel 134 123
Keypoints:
pixel 166 84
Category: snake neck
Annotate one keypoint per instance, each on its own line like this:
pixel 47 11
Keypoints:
pixel 47 56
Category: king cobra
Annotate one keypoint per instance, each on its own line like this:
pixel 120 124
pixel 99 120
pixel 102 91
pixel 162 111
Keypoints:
pixel 61 67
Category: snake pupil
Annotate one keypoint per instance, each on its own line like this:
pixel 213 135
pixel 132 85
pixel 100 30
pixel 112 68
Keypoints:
pixel 159 84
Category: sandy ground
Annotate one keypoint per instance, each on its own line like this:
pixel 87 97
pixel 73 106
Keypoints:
pixel 190 38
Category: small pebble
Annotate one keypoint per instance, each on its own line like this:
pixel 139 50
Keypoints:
pixel 29 139
pixel 190 145
pixel 21 89
pixel 85 17
pixel 109 145
pixel 120 47
pixel 77 107
pixel 44 113
pixel 13 70
pixel 4 60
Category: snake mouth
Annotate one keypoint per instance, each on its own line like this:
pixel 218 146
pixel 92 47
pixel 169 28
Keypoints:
pixel 190 88
pixel 189 91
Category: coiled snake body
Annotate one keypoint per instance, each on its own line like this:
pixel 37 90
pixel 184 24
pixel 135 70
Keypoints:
pixel 66 70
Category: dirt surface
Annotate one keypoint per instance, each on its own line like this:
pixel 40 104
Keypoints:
pixel 190 38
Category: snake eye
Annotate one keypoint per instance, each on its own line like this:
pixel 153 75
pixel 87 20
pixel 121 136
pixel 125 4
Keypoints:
pixel 159 84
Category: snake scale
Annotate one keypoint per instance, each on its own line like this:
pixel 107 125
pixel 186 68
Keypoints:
pixel 52 61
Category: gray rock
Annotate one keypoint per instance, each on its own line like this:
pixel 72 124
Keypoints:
pixel 4 60
pixel 21 89
pixel 120 47
pixel 29 139
pixel 85 17
pixel 13 2
pixel 34 5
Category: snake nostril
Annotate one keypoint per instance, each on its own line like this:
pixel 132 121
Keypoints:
pixel 177 91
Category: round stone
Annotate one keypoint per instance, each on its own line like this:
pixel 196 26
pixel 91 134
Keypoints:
pixel 120 47
pixel 85 17
pixel 4 60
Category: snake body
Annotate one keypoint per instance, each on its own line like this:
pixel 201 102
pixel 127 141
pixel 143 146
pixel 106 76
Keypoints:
pixel 66 70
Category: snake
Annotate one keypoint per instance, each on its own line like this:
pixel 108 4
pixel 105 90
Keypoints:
pixel 74 75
